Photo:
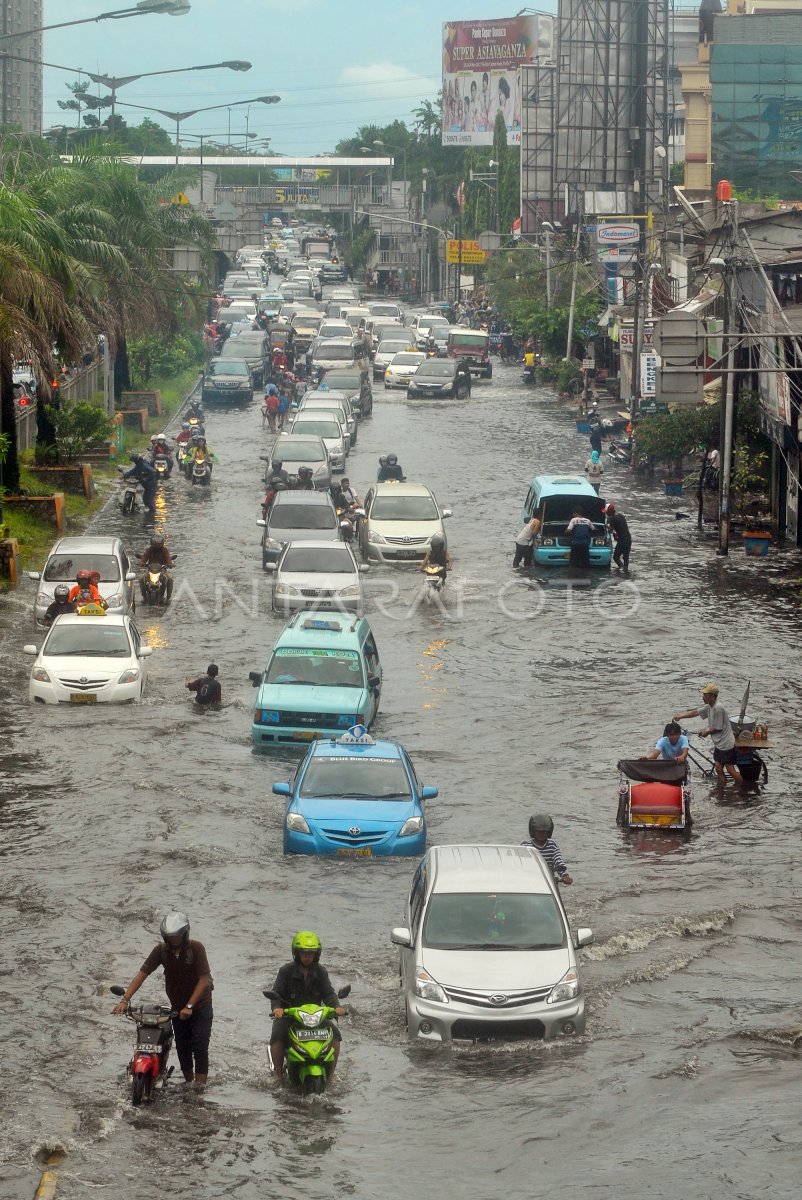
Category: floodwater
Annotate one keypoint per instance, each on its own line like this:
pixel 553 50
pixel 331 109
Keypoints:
pixel 514 699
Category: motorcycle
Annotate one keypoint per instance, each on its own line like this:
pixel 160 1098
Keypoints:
pixel 199 470
pixel 620 452
pixel 349 519
pixel 309 1054
pixel 129 496
pixel 434 578
pixel 148 1070
pixel 163 466
pixel 155 584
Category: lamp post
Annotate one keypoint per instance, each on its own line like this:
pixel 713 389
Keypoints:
pixel 485 177
pixel 394 150
pixel 173 8
pixel 178 117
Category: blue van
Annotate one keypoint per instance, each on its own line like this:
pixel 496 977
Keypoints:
pixel 324 676
pixel 555 498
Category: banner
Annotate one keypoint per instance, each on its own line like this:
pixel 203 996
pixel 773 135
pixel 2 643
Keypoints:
pixel 648 374
pixel 481 74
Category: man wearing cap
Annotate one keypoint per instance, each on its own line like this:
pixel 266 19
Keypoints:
pixel 617 524
pixel 720 731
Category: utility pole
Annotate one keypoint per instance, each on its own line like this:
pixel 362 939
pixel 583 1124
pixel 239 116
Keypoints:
pixel 569 339
pixel 731 207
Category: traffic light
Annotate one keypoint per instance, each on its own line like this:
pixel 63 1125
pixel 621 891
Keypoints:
pixel 24 401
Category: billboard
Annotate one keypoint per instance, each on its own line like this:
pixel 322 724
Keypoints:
pixel 481 74
pixel 472 253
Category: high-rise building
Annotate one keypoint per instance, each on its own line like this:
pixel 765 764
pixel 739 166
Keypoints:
pixel 21 65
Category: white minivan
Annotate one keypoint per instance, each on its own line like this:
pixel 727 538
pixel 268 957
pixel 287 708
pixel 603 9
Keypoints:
pixel 486 948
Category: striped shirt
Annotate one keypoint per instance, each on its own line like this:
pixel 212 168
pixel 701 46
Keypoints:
pixel 551 852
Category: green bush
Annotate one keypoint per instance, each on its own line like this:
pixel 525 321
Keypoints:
pixel 78 426
pixel 159 356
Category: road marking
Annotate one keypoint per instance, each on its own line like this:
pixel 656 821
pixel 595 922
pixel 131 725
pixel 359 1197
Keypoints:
pixel 48 1181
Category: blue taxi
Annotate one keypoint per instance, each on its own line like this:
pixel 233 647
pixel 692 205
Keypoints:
pixel 555 498
pixel 355 797
pixel 323 676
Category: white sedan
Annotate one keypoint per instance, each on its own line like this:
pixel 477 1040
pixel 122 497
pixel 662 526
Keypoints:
pixel 89 660
pixel 401 368
pixel 317 574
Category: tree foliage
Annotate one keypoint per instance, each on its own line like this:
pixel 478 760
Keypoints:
pixel 78 427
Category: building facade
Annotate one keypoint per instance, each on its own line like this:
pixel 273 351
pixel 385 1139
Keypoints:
pixel 21 75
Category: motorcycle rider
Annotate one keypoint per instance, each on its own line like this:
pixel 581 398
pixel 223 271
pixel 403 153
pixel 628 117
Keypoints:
pixel 305 477
pixel 349 495
pixel 188 983
pixel 85 591
pixel 389 468
pixel 302 981
pixel 541 827
pixel 277 471
pixel 144 473
pixel 61 604
pixel 160 449
pixel 182 439
pixel 198 448
pixel 437 556
pixel 156 555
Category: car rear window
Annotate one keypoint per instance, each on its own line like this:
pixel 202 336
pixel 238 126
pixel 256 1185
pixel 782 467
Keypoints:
pixel 333 353
pixel 61 568
pixel 302 516
pixel 321 429
pixel 299 452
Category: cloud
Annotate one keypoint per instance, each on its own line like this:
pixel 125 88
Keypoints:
pixel 387 80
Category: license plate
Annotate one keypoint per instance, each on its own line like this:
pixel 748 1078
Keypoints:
pixel 83 698
pixel 318 604
pixel 356 852
pixel 407 553
pixel 305 735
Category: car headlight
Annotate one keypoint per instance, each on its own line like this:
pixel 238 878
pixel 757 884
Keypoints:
pixel 129 676
pixel 286 589
pixel 410 826
pixel 40 675
pixel 43 598
pixel 350 592
pixel 600 541
pixel 566 989
pixel 428 988
pixel 267 716
pixel 547 541
pixel 373 536
pixel 297 823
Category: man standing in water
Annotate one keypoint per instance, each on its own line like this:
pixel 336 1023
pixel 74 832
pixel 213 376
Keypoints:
pixel 720 731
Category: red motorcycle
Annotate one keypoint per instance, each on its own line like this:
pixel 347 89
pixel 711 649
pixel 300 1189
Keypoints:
pixel 148 1070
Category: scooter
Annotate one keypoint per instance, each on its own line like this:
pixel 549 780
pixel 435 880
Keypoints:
pixel 620 452
pixel 309 1053
pixel 349 519
pixel 434 578
pixel 155 584
pixel 163 466
pixel 148 1070
pixel 129 496
pixel 199 470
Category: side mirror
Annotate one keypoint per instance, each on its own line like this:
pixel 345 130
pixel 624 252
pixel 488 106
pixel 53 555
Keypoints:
pixel 271 996
pixel 282 789
pixel 584 937
pixel 363 568
pixel 271 566
pixel 116 990
pixel 359 512
pixel 146 652
pixel 446 513
pixel 29 650
pixel 429 793
pixel 374 681
pixel 401 937
pixel 34 575
pixel 344 991
pixel 130 576
pixel 255 678
pixel 261 523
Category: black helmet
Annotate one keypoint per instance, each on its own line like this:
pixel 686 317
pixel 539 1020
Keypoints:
pixel 392 460
pixel 438 541
pixel 276 464
pixel 541 823
pixel 382 460
pixel 305 472
pixel 136 458
pixel 157 540
pixel 174 926
pixel 61 591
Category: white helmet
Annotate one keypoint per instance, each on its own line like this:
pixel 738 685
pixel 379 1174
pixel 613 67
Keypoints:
pixel 175 926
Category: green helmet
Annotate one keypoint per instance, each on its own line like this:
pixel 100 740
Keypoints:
pixel 305 940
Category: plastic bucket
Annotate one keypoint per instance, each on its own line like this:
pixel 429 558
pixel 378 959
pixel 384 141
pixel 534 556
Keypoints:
pixel 756 544
pixel 583 426
pixel 673 487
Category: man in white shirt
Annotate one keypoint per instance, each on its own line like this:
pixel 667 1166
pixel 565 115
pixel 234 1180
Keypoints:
pixel 719 730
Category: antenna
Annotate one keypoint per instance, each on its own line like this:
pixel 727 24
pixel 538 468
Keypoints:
pixel 688 208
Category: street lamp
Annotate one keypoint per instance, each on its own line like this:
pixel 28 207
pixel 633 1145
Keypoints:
pixel 173 8
pixel 394 150
pixel 178 117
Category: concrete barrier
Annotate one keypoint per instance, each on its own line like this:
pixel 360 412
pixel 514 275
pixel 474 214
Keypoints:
pixel 75 477
pixel 147 398
pixel 138 418
pixel 49 507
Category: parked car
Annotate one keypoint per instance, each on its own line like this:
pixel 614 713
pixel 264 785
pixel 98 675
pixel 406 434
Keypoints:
pixel 317 574
pixel 400 521
pixel 323 677
pixel 401 368
pixel 356 798
pixel 89 660
pixel 227 381
pixel 72 554
pixel 300 450
pixel 486 948
pixel 295 517
pixel 441 377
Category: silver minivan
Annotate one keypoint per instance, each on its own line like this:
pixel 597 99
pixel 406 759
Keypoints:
pixel 486 948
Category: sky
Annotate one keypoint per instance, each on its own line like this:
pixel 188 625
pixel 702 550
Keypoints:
pixel 337 64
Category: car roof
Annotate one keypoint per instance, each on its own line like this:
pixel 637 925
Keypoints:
pixel 404 489
pixel 465 868
pixel 85 545
pixel 320 544
pixel 107 619
pixel 330 748
pixel 324 396
pixel 303 497
pixel 303 629
pixel 563 485
pixel 287 439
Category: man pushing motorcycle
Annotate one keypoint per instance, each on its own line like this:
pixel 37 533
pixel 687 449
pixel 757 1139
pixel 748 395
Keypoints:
pixel 302 981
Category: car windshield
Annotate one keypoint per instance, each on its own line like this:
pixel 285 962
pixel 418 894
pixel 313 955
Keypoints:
pixel 91 640
pixel 407 360
pixel 343 379
pixel 430 322
pixel 306 321
pixel 302 516
pixel 493 921
pixel 435 370
pixel 300 452
pixel 63 567
pixel 321 668
pixel 384 310
pixel 335 331
pixel 333 353
pixel 351 775
pixel 231 366
pixel 321 429
pixel 393 348
pixel 403 508
pixel 315 560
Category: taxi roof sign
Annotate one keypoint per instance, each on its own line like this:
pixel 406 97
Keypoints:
pixel 313 623
pixel 357 735
pixel 90 610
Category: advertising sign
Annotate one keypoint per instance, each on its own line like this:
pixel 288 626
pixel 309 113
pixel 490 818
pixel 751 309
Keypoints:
pixel 648 374
pixel 481 74
pixel 617 241
pixel 626 335
pixel 472 252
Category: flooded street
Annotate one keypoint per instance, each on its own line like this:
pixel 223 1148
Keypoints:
pixel 515 699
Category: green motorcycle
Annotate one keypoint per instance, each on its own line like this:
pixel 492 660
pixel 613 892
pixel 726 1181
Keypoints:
pixel 309 1055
